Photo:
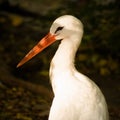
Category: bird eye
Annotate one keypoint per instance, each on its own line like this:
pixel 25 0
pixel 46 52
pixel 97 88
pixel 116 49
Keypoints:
pixel 58 29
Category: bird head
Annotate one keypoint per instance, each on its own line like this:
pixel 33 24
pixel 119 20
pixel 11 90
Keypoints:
pixel 63 28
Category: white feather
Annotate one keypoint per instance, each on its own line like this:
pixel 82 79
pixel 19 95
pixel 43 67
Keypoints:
pixel 76 96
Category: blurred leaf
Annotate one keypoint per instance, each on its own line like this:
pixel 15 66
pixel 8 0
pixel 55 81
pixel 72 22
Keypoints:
pixel 102 62
pixel 104 71
pixel 22 117
pixel 82 57
pixel 16 20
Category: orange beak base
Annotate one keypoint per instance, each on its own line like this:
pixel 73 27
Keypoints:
pixel 45 42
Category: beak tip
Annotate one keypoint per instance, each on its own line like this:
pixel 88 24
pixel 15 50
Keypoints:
pixel 18 65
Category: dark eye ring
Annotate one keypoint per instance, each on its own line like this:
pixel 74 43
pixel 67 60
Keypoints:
pixel 58 29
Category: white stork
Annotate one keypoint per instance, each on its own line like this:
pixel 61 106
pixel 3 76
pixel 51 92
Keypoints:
pixel 76 97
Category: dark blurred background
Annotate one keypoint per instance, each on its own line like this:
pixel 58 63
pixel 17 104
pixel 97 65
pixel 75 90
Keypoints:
pixel 25 92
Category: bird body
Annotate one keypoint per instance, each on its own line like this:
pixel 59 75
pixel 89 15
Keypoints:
pixel 76 97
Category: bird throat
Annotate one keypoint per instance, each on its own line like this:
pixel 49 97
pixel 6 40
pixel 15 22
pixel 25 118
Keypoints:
pixel 64 56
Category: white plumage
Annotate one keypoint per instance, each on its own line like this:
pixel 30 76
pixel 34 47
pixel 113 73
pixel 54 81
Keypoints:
pixel 76 97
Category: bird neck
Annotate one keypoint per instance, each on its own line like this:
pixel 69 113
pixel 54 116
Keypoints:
pixel 62 65
pixel 64 56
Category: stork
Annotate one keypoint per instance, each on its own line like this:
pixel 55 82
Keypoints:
pixel 76 97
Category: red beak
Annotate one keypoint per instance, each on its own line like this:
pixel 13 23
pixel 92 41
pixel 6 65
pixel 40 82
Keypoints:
pixel 42 44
